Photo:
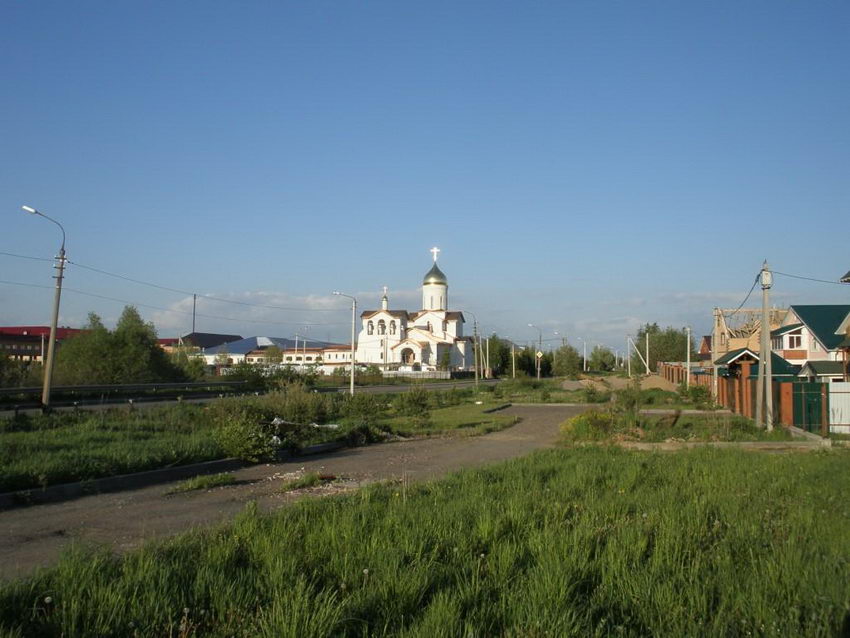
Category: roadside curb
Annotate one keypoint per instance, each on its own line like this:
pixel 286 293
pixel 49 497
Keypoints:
pixel 504 406
pixel 137 480
pixel 672 446
pixel 803 434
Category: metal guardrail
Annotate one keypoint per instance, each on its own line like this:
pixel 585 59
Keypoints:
pixel 123 387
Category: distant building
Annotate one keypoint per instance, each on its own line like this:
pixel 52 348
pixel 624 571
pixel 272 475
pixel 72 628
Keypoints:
pixel 29 343
pixel 424 340
pixel 204 340
pixel 812 333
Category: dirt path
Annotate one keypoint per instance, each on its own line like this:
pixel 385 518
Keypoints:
pixel 35 536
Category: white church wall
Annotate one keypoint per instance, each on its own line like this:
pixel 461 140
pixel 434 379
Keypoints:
pixel 435 296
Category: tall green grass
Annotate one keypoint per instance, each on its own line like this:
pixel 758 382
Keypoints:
pixel 585 542
pixel 67 446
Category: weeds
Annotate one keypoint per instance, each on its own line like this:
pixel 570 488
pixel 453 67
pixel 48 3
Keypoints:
pixel 592 541
pixel 204 482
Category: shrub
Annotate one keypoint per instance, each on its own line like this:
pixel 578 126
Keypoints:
pixel 413 402
pixel 245 435
pixel 589 426
pixel 363 408
pixel 594 395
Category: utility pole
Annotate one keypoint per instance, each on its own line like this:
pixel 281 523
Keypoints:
pixel 488 368
pixel 353 346
pixel 194 303
pixel 51 346
pixel 475 348
pixel 688 370
pixel 766 283
pixel 513 361
pixel 647 352
pixel 629 356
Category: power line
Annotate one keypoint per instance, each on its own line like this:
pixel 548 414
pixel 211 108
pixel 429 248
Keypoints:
pixel 25 256
pixel 823 281
pixel 175 290
pixel 181 312
pixel 741 305
pixel 210 297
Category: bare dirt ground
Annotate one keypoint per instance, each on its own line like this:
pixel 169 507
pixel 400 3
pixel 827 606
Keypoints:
pixel 35 536
pixel 618 383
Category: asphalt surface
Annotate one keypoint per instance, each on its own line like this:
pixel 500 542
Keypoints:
pixel 146 402
pixel 35 536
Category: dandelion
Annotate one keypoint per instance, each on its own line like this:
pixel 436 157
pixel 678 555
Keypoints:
pixel 185 611
pixel 48 600
pixel 365 572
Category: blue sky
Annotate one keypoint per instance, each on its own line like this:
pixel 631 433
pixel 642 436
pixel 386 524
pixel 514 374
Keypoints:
pixel 584 166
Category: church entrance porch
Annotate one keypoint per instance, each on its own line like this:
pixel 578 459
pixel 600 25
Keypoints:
pixel 408 357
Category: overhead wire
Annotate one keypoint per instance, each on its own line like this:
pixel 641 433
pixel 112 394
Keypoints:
pixel 822 281
pixel 176 290
pixel 201 296
pixel 171 310
pixel 741 305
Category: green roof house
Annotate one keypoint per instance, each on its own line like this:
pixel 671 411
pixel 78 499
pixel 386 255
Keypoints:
pixel 812 333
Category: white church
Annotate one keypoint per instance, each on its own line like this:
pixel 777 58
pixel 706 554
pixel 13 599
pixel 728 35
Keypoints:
pixel 429 339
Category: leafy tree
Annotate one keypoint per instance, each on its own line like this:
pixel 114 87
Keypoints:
pixel 273 355
pixel 601 359
pixel 567 362
pixel 136 354
pixel 129 354
pixel 669 344
pixel 15 374
pixel 446 359
pixel 193 367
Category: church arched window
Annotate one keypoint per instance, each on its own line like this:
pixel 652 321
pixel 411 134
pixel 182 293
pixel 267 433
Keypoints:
pixel 370 328
pixel 392 327
pixel 382 327
pixel 430 327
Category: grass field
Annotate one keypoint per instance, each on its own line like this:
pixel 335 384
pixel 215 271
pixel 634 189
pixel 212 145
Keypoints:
pixel 585 542
pixel 76 446
pixel 599 425
pixel 466 418
pixel 67 446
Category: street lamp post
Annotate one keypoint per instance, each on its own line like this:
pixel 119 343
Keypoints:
pixel 51 346
pixel 353 320
pixel 584 355
pixel 476 350
pixel 539 346
pixel 555 353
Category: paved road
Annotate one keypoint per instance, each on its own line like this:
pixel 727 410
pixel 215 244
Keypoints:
pixel 35 536
pixel 147 402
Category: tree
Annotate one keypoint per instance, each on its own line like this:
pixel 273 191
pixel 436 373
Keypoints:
pixel 601 359
pixel 185 358
pixel 129 354
pixel 273 355
pixel 669 344
pixel 567 362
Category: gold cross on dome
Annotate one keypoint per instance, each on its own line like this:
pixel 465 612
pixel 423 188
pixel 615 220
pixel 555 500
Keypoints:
pixel 434 251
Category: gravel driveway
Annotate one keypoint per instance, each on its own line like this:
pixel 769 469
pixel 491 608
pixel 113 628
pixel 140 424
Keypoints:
pixel 35 536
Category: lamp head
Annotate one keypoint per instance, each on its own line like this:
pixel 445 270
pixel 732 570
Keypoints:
pixel 30 210
pixel 336 292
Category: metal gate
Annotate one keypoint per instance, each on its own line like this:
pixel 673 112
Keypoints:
pixel 839 407
pixel 808 406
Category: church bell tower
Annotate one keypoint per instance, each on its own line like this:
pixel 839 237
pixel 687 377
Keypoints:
pixel 435 287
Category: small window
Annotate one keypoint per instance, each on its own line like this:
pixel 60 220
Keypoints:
pixel 795 341
pixel 370 328
pixel 382 327
pixel 814 345
pixel 392 327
